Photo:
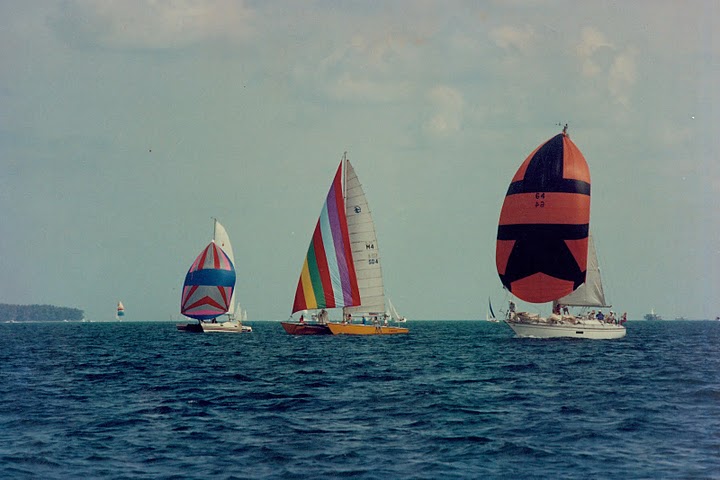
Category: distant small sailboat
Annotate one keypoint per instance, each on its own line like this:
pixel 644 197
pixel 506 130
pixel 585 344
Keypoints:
pixel 120 311
pixel 652 315
pixel 544 249
pixel 490 315
pixel 342 267
pixel 394 313
pixel 208 291
pixel 241 315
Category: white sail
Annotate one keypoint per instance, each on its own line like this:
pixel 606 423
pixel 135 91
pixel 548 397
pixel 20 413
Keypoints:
pixel 490 314
pixel 590 293
pixel 240 313
pixel 364 245
pixel 394 313
pixel 222 239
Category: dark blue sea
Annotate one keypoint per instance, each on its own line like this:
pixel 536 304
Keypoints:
pixel 450 400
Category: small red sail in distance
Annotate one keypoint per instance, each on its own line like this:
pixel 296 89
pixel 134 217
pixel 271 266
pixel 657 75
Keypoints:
pixel 542 240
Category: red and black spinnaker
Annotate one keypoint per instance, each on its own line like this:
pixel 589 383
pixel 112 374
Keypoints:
pixel 542 240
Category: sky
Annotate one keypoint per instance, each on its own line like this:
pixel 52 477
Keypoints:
pixel 126 126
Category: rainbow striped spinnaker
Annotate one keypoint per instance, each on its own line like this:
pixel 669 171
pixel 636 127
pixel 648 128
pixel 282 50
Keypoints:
pixel 328 278
pixel 209 284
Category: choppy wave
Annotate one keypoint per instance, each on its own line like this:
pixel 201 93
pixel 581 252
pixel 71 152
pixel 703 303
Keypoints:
pixel 451 400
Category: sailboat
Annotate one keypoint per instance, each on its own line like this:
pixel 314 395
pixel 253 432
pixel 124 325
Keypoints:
pixel 241 316
pixel 342 267
pixel 394 313
pixel 120 311
pixel 545 252
pixel 232 321
pixel 490 315
pixel 209 290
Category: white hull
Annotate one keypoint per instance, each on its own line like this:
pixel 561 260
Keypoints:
pixel 226 327
pixel 591 329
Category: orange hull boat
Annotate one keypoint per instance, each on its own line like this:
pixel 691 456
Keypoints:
pixel 356 329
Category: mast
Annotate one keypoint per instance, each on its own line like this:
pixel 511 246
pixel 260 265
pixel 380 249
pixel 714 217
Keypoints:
pixel 344 176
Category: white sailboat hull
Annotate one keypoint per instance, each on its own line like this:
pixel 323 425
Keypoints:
pixel 208 327
pixel 225 327
pixel 593 330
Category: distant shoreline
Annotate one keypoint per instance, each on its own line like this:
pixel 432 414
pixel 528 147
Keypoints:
pixel 10 313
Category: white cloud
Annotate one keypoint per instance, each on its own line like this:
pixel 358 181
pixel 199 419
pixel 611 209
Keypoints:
pixel 620 73
pixel 592 41
pixel 368 68
pixel 513 37
pixel 349 87
pixel 150 24
pixel 622 76
pixel 448 105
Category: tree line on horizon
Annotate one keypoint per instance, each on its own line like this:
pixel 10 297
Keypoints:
pixel 39 313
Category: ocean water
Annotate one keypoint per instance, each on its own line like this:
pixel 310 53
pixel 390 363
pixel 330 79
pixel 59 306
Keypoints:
pixel 450 400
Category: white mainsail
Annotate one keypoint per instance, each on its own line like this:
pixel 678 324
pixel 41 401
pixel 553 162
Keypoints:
pixel 364 245
pixel 222 239
pixel 590 293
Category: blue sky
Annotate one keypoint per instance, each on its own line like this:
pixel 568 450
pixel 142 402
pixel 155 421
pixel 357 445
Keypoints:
pixel 125 126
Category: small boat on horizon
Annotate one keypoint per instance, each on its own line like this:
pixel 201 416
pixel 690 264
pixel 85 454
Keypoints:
pixel 120 311
pixel 394 315
pixel 342 267
pixel 490 314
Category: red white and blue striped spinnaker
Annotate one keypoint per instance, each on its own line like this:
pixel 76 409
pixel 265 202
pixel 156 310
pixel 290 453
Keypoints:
pixel 208 285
